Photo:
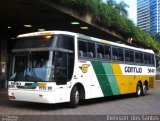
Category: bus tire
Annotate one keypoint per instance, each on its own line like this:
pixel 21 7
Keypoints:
pixel 144 90
pixel 138 90
pixel 75 97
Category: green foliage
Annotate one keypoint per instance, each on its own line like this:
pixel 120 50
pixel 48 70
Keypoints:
pixel 113 16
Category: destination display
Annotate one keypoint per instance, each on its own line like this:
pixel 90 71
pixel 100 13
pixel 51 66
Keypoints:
pixel 136 70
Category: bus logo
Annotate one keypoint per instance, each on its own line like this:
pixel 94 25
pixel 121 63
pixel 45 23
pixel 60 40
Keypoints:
pixel 84 68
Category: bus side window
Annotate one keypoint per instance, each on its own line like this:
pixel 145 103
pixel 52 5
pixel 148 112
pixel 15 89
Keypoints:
pixel 129 56
pixel 141 57
pixel 114 53
pixel 91 50
pixel 138 57
pixel 100 51
pixel 147 59
pixel 152 60
pixel 107 54
pixel 120 54
pixel 82 49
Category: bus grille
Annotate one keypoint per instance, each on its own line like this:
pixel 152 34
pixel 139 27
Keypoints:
pixel 25 87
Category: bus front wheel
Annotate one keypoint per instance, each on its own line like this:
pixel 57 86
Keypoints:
pixel 75 97
pixel 138 90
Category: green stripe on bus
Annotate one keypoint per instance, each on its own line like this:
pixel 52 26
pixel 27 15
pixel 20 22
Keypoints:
pixel 102 78
pixel 111 78
pixel 31 84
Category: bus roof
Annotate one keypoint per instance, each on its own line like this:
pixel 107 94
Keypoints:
pixel 82 36
pixel 46 33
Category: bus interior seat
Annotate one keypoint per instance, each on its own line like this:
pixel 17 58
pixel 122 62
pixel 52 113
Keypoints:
pixel 100 55
pixel 107 56
pixel 127 59
pixel 90 54
pixel 114 57
pixel 80 53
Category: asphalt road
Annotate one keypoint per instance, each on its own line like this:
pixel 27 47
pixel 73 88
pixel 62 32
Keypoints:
pixel 94 109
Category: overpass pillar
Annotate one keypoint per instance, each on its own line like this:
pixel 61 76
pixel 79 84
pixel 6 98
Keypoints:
pixel 3 58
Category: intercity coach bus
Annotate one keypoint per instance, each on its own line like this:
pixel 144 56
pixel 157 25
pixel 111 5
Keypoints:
pixel 60 66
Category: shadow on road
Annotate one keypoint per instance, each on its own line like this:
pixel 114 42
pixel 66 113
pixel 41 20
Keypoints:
pixel 47 107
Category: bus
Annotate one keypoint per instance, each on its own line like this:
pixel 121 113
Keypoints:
pixel 60 66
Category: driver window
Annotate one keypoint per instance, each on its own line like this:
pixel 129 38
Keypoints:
pixel 61 73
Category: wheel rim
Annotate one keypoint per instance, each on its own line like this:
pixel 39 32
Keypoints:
pixel 77 96
pixel 139 90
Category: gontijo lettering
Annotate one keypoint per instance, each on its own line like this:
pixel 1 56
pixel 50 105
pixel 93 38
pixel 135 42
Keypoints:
pixel 133 69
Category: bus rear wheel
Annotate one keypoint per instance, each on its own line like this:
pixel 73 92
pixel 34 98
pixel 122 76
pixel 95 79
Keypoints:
pixel 138 90
pixel 144 92
pixel 75 97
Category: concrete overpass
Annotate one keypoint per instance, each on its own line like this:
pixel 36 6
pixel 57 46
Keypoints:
pixel 23 16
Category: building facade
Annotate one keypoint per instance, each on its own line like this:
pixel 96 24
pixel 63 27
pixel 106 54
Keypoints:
pixel 148 15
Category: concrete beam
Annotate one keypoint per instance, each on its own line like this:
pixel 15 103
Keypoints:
pixel 87 18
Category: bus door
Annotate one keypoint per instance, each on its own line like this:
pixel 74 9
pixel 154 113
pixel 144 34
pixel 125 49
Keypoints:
pixel 60 75
pixel 63 71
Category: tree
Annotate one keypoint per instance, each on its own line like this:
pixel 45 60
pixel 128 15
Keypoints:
pixel 111 3
pixel 121 8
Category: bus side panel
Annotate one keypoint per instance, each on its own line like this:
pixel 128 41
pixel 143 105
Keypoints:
pixel 88 78
pixel 106 78
pixel 113 81
pixel 128 82
pixel 121 80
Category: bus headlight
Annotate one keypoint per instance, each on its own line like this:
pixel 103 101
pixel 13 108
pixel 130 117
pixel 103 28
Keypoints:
pixel 11 86
pixel 10 93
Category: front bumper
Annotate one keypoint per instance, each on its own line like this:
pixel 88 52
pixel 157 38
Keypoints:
pixel 32 96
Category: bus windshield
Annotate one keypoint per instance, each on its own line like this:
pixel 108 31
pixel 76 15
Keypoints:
pixel 32 66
